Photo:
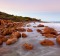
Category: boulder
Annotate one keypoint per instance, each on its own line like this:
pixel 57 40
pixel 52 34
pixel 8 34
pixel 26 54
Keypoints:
pixel 29 30
pixel 38 30
pixel 40 25
pixel 28 46
pixel 11 41
pixel 49 35
pixel 16 34
pixel 48 30
pixel 21 29
pixel 24 35
pixel 47 42
pixel 58 39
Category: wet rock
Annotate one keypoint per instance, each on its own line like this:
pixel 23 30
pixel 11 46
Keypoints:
pixel 6 31
pixel 48 30
pixel 16 34
pixel 58 39
pixel 49 35
pixel 1 42
pixel 11 41
pixel 38 30
pixel 29 30
pixel 24 35
pixel 40 25
pixel 47 42
pixel 28 46
pixel 4 39
pixel 21 29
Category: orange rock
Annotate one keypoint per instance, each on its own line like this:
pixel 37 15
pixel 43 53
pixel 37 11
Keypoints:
pixel 49 35
pixel 11 30
pixel 28 46
pixel 47 42
pixel 24 35
pixel 6 31
pixel 21 29
pixel 29 30
pixel 2 22
pixel 3 38
pixel 58 39
pixel 38 30
pixel 1 42
pixel 10 25
pixel 18 24
pixel 40 25
pixel 11 41
pixel 16 34
pixel 48 30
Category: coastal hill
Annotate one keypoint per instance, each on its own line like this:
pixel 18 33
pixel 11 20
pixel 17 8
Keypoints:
pixel 6 16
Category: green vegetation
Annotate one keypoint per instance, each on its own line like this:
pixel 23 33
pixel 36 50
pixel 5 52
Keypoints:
pixel 16 18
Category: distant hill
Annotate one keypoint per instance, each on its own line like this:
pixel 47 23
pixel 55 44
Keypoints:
pixel 51 21
pixel 55 21
pixel 16 18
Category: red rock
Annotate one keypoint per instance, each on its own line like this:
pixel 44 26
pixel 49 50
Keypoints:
pixel 11 30
pixel 16 34
pixel 6 31
pixel 24 35
pixel 47 42
pixel 29 30
pixel 49 35
pixel 11 41
pixel 38 30
pixel 58 39
pixel 40 25
pixel 4 39
pixel 21 29
pixel 1 42
pixel 28 46
pixel 48 30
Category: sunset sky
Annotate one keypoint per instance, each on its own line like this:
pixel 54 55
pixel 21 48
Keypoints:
pixel 47 10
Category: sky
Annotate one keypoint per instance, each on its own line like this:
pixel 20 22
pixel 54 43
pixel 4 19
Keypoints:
pixel 46 10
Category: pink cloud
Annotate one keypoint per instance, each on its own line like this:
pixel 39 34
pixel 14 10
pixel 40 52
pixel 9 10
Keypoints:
pixel 43 5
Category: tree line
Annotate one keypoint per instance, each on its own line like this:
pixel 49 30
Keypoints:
pixel 16 18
